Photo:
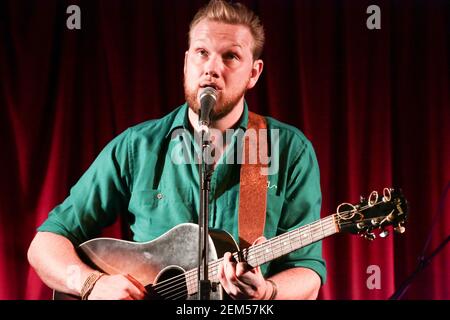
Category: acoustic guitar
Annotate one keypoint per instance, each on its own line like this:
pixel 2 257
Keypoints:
pixel 167 265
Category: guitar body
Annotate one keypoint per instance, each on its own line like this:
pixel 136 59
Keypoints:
pixel 166 257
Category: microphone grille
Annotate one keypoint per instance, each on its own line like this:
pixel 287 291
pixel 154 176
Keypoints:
pixel 208 91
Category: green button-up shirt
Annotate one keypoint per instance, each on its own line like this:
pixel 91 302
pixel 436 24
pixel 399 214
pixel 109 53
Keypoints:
pixel 138 174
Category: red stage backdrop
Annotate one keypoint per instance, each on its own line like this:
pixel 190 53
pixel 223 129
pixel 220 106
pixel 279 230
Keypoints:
pixel 374 103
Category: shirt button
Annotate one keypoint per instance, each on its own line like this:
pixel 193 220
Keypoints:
pixel 159 196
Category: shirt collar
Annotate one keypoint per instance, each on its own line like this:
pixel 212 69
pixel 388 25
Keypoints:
pixel 181 119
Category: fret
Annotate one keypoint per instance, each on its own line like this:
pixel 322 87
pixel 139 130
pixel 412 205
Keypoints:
pixel 327 228
pixel 317 236
pixel 311 233
pixel 305 235
pixel 251 259
pixel 268 253
pixel 213 271
pixel 308 227
pixel 271 248
pixel 279 245
pixel 256 258
pixel 283 246
pixel 289 241
pixel 321 229
pixel 299 238
pixel 191 282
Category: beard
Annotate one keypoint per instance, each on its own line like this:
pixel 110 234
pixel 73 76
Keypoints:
pixel 225 103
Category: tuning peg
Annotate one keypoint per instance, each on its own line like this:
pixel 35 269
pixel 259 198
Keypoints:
pixel 369 236
pixel 384 233
pixel 360 225
pixel 400 228
pixel 362 199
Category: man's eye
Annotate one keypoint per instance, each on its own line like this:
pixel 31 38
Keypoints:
pixel 231 56
pixel 202 53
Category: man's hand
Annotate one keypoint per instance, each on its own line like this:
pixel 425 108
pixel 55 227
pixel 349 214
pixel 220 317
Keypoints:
pixel 117 287
pixel 240 281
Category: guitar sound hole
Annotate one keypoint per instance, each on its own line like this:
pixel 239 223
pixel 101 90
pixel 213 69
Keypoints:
pixel 170 285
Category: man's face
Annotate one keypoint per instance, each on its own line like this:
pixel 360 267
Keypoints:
pixel 220 56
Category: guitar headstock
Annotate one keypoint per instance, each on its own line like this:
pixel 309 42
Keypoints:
pixel 375 212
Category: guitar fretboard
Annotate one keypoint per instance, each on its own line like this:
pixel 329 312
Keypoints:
pixel 271 249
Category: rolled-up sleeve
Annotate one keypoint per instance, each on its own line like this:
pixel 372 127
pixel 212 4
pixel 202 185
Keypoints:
pixel 302 205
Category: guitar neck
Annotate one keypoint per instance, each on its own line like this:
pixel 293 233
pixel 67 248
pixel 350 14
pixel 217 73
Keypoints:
pixel 272 249
pixel 289 241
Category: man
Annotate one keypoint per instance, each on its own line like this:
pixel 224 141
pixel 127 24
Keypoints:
pixel 135 174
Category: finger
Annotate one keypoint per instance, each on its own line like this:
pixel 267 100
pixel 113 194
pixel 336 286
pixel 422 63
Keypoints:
pixel 222 278
pixel 236 287
pixel 136 289
pixel 247 276
pixel 230 282
pixel 228 257
pixel 138 285
pixel 251 281
pixel 259 240
pixel 227 286
pixel 242 268
pixel 229 267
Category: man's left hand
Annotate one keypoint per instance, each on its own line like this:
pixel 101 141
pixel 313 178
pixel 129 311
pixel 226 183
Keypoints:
pixel 240 281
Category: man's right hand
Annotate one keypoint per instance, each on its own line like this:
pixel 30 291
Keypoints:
pixel 117 287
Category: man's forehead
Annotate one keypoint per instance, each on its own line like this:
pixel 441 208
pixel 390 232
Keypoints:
pixel 234 35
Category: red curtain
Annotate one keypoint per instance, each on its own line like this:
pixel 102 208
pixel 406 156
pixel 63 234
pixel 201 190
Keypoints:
pixel 374 103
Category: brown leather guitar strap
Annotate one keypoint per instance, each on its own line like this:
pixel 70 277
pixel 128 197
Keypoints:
pixel 253 184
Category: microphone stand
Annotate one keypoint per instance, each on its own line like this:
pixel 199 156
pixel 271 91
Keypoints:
pixel 424 261
pixel 205 171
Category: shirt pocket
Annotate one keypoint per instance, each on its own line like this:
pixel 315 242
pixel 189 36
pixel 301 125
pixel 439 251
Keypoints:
pixel 157 211
pixel 164 197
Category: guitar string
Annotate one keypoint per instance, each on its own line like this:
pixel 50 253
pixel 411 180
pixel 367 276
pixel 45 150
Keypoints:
pixel 278 248
pixel 175 292
pixel 315 224
pixel 182 286
pixel 256 252
pixel 191 274
pixel 188 278
pixel 177 295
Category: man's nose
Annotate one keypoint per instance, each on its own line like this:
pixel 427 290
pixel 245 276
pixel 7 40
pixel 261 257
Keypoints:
pixel 213 66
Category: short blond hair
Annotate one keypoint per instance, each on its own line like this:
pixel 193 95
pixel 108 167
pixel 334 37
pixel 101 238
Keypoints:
pixel 236 14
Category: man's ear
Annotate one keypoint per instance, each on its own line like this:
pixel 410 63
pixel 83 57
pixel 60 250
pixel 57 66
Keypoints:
pixel 185 61
pixel 257 69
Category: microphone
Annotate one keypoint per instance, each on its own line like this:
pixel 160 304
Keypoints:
pixel 208 99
